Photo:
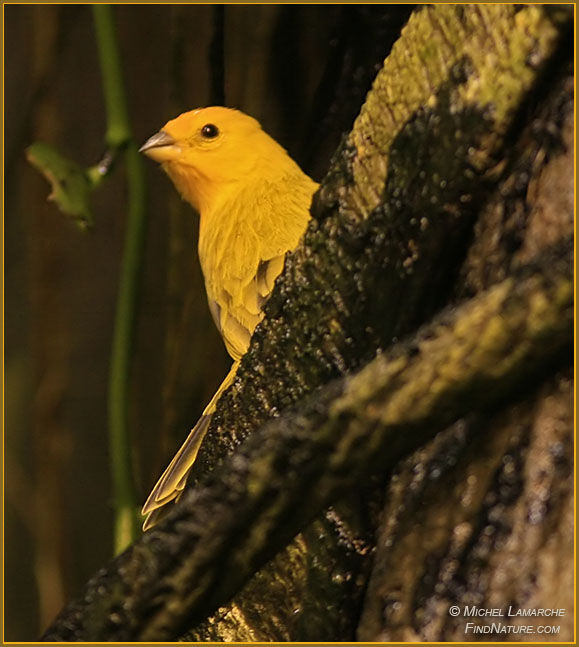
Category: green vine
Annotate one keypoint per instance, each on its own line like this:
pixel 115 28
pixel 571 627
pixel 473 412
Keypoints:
pixel 72 187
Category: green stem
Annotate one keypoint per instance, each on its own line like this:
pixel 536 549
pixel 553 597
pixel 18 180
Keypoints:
pixel 118 128
pixel 118 136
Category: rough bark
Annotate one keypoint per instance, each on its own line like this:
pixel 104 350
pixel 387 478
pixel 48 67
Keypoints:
pixel 402 226
pixel 293 467
pixel 483 515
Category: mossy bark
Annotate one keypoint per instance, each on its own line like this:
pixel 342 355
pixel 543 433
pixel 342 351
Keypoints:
pixel 440 196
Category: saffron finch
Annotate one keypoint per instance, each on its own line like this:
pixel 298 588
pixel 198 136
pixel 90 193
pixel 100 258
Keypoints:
pixel 254 205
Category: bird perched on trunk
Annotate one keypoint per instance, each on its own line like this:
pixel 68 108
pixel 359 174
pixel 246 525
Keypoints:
pixel 254 205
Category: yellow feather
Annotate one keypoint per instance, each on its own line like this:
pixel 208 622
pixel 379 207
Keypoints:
pixel 254 205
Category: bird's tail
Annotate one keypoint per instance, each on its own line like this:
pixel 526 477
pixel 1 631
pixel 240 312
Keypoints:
pixel 173 479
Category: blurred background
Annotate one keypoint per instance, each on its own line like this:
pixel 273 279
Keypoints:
pixel 303 71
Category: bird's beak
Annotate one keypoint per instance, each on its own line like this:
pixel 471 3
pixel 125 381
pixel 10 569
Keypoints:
pixel 160 147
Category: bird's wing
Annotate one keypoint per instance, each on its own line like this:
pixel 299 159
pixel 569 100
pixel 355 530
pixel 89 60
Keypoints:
pixel 239 307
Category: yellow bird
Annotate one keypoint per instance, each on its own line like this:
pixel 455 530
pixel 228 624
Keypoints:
pixel 254 205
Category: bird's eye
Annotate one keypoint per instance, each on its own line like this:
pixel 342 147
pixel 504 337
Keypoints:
pixel 209 131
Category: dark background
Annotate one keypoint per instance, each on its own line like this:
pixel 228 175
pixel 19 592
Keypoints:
pixel 303 71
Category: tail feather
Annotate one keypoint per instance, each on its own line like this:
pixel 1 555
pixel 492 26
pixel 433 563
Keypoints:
pixel 173 479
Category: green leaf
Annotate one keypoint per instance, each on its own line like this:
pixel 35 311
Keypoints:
pixel 71 186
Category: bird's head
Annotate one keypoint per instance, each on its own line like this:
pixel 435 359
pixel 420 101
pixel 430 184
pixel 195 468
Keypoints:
pixel 205 151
